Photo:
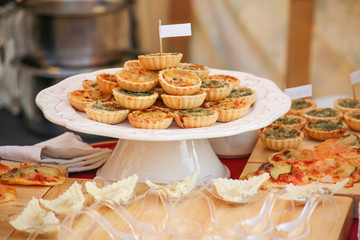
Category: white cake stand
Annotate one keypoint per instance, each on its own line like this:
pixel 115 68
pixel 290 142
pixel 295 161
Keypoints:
pixel 165 154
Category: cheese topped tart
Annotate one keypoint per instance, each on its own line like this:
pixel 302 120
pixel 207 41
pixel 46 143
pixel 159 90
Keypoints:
pixel 134 100
pixel 184 102
pixel 80 98
pixel 352 119
pixel 290 122
pixel 242 92
pixel 107 82
pixel 106 112
pixel 235 81
pixel 179 82
pixel 137 79
pixel 301 105
pixel 200 70
pixel 347 104
pixel 318 114
pixel 132 63
pixel 216 90
pixel 229 110
pixel 158 61
pixel 279 138
pixel 90 84
pixel 195 117
pixel 325 129
pixel 151 118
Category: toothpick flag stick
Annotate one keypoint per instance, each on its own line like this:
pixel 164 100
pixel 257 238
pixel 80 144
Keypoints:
pixel 355 78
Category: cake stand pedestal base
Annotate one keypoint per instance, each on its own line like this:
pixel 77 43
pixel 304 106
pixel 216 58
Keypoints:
pixel 164 161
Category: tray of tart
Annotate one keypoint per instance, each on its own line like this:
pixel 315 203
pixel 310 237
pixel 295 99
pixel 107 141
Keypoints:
pixel 128 209
pixel 316 145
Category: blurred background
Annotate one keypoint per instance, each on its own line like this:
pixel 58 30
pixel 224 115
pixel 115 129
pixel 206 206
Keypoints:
pixel 291 42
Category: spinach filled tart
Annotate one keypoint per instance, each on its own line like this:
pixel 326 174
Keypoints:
pixel 240 93
pixel 80 98
pixel 352 119
pixel 195 117
pixel 318 114
pixel 216 90
pixel 347 104
pixel 134 100
pixel 106 112
pixel 222 77
pixel 289 122
pixel 325 129
pixel 279 138
pixel 107 82
pixel 90 84
pixel 301 105
pixel 151 118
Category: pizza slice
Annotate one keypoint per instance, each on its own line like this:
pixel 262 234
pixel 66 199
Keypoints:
pixel 7 193
pixel 33 174
pixel 298 158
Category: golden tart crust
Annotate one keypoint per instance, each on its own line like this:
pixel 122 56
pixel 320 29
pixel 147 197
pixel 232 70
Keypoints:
pixel 240 93
pixel 325 129
pixel 132 63
pixel 157 61
pixel 352 119
pixel 196 117
pixel 301 105
pixel 289 122
pixel 234 80
pixel 151 118
pixel 280 138
pixel 229 110
pixel 179 82
pixel 216 90
pixel 200 70
pixel 136 79
pixel 184 102
pixel 107 82
pixel 90 84
pixel 80 98
pixel 106 112
pixel 347 104
pixel 317 114
pixel 134 100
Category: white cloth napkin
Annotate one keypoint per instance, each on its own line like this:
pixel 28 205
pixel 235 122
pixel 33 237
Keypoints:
pixel 66 149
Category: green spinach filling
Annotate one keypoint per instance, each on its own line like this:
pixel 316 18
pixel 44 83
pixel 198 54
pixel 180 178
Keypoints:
pixel 107 106
pixel 349 103
pixel 327 125
pixel 281 133
pixel 326 112
pixel 236 93
pixel 213 84
pixel 135 94
pixel 196 112
pixel 287 121
pixel 300 104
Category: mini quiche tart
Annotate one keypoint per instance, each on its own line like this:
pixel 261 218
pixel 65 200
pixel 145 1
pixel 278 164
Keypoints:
pixel 352 119
pixel 107 82
pixel 158 61
pixel 151 118
pixel 132 63
pixel 347 104
pixel 279 138
pixel 289 122
pixel 179 82
pixel 196 117
pixel 229 111
pixel 301 105
pixel 235 81
pixel 184 102
pixel 216 90
pixel 240 93
pixel 318 114
pixel 134 100
pixel 325 129
pixel 80 98
pixel 200 70
pixel 90 84
pixel 137 79
pixel 106 112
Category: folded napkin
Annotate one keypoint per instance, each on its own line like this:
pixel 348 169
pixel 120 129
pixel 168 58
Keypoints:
pixel 66 149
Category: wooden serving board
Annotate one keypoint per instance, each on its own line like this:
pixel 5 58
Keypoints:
pixel 151 210
pixel 261 154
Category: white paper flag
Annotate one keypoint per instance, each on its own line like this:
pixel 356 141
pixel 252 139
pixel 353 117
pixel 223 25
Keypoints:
pixel 299 92
pixel 175 30
pixel 355 77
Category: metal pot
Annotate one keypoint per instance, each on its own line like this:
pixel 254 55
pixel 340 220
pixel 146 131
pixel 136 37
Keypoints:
pixel 76 33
